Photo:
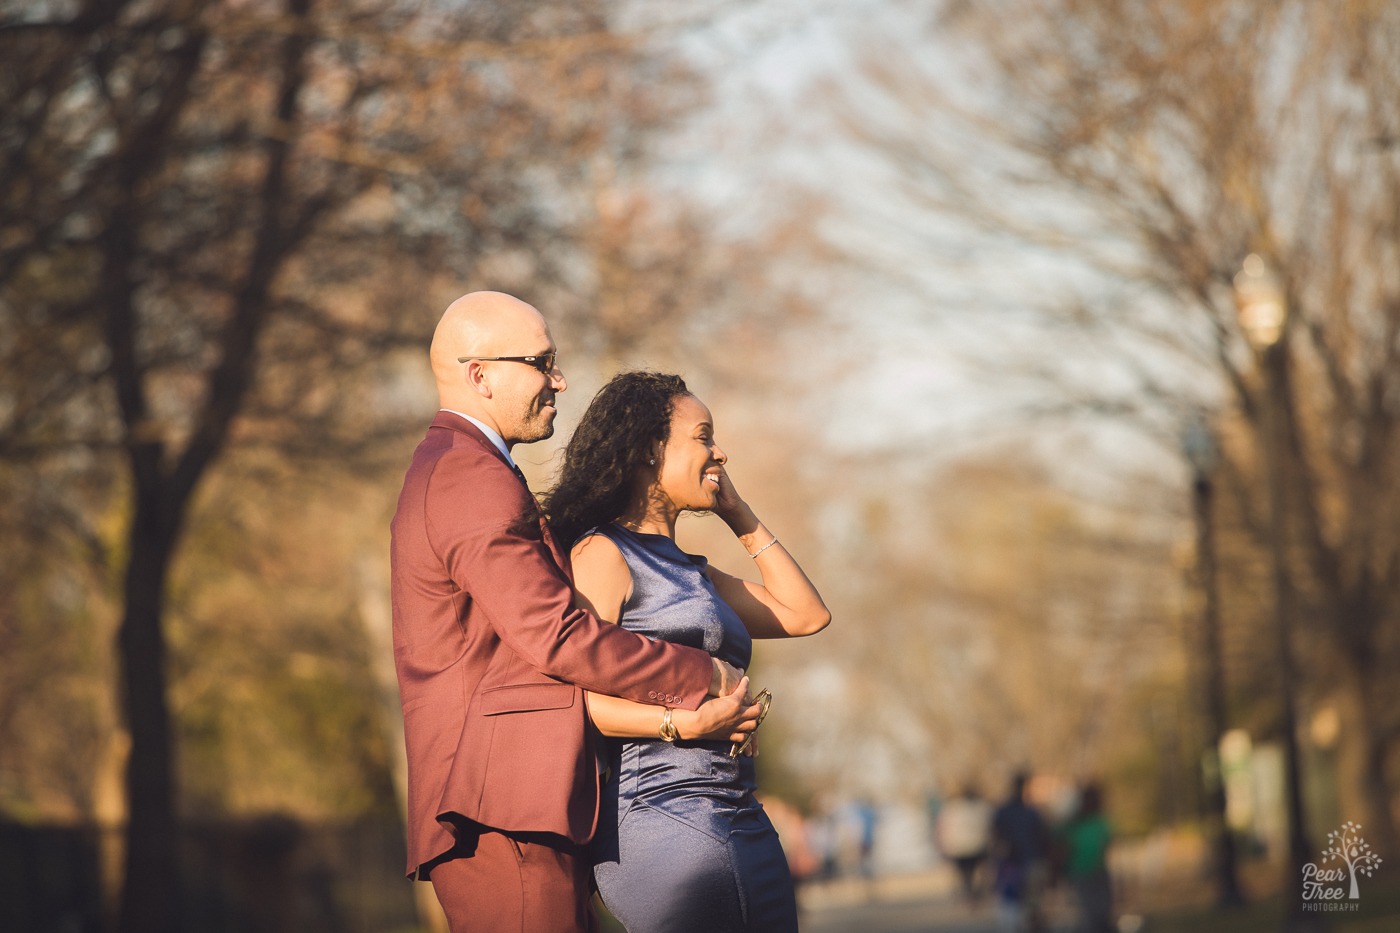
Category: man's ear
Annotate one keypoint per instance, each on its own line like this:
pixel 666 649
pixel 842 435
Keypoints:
pixel 476 379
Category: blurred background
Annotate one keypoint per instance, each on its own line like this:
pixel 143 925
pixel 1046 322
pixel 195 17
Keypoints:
pixel 1057 338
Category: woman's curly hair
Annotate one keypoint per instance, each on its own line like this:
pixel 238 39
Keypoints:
pixel 628 419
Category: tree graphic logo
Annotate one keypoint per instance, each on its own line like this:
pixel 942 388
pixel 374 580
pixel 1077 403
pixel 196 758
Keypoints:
pixel 1344 845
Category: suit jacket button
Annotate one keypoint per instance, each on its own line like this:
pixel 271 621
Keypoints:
pixel 652 694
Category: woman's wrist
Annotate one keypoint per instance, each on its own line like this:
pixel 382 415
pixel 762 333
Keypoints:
pixel 744 523
pixel 739 517
pixel 757 540
pixel 685 722
pixel 667 730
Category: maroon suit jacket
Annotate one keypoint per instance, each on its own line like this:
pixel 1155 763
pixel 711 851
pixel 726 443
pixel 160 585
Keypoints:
pixel 491 653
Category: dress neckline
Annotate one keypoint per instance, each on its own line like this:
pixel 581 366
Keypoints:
pixel 662 545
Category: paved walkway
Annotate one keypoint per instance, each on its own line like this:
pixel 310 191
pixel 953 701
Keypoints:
pixel 906 904
pixel 900 917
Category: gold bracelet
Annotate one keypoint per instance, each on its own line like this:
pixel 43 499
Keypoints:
pixel 669 732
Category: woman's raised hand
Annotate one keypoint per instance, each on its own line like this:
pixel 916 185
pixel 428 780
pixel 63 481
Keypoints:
pixel 728 501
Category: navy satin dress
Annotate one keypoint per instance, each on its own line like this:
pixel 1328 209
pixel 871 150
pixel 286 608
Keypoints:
pixel 682 845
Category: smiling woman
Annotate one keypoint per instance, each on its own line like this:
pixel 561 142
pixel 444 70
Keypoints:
pixel 682 842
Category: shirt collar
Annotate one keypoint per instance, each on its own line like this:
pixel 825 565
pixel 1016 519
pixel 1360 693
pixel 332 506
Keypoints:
pixel 490 433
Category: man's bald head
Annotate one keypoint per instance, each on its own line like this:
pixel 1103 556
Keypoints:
pixel 479 324
pixel 514 398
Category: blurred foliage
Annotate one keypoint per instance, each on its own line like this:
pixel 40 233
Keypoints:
pixel 229 228
pixel 223 223
pixel 1108 165
pixel 272 672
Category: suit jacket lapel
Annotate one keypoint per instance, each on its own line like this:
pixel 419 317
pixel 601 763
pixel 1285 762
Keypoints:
pixel 447 419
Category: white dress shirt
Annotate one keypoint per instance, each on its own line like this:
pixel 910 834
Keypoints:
pixel 490 433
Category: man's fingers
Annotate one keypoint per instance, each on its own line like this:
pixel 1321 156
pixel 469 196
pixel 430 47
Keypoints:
pixel 723 677
pixel 732 675
pixel 748 714
pixel 747 724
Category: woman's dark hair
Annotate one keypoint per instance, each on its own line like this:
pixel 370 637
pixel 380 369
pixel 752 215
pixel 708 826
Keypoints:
pixel 627 420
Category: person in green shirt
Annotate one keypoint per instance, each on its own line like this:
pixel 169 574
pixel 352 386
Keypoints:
pixel 1085 840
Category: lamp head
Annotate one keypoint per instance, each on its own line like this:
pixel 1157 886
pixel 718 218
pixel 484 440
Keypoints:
pixel 1259 300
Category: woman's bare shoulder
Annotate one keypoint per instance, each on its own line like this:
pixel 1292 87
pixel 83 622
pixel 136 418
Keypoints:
pixel 597 553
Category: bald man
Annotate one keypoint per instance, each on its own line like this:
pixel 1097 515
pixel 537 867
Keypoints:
pixel 492 654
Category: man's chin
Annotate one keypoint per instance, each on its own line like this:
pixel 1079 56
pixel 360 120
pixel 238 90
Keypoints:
pixel 541 432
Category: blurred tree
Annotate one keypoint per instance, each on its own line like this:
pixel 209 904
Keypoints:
pixel 212 216
pixel 1141 151
pixel 1001 623
pixel 51 625
pixel 269 673
pixel 670 288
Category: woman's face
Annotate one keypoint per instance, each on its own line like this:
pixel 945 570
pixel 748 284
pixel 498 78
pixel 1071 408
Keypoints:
pixel 690 464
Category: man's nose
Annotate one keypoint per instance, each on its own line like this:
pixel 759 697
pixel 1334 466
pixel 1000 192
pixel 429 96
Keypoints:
pixel 557 380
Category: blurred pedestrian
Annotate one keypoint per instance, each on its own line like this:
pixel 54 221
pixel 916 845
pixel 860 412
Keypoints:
pixel 867 820
pixel 1021 849
pixel 794 830
pixel 963 834
pixel 823 835
pixel 1086 838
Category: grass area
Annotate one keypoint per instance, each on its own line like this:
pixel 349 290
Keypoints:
pixel 1378 911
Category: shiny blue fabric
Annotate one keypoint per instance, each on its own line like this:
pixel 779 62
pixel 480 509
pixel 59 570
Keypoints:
pixel 682 844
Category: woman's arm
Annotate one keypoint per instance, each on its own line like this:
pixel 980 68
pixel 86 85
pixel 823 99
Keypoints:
pixel 730 718
pixel 602 584
pixel 785 604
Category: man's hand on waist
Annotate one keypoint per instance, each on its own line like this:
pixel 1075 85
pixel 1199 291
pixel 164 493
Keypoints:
pixel 724 678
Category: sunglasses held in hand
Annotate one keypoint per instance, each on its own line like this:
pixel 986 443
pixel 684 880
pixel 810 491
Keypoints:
pixel 764 700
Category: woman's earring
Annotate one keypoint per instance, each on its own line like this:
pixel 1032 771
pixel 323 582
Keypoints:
pixel 651 462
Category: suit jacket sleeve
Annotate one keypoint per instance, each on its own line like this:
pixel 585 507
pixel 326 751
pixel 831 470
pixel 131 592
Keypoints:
pixel 485 527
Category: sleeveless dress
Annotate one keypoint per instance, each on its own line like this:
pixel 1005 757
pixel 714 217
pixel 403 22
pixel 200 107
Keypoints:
pixel 682 845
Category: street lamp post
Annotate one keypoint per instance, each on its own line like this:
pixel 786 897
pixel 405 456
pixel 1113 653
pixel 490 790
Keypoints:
pixel 1263 315
pixel 1204 456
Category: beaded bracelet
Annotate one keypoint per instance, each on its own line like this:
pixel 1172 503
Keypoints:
pixel 754 555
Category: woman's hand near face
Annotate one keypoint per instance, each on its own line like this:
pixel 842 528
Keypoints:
pixel 731 507
pixel 785 604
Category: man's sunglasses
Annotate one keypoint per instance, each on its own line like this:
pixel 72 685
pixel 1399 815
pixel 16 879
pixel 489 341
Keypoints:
pixel 544 362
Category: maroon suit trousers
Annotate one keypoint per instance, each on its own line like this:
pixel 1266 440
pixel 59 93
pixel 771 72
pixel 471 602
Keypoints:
pixel 494 882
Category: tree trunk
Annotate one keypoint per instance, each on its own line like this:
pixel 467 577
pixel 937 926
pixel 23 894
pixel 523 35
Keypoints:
pixel 151 890
pixel 1377 820
pixel 1366 738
